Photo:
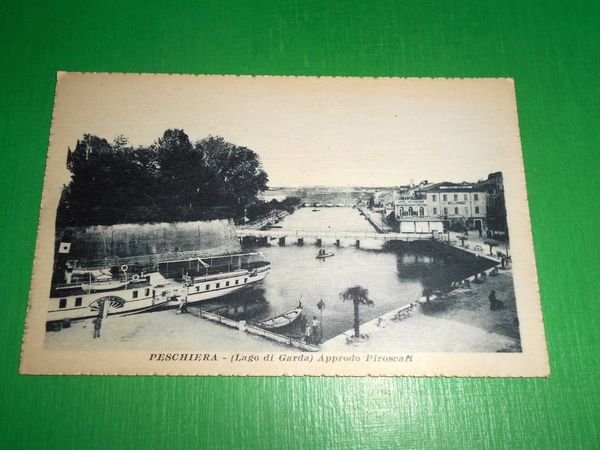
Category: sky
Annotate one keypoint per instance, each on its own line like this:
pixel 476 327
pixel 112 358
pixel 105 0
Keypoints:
pixel 307 131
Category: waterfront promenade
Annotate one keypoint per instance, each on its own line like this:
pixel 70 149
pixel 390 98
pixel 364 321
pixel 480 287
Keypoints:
pixel 459 321
pixel 156 331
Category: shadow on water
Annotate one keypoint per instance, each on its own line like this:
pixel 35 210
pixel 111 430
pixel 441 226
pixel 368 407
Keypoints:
pixel 394 275
pixel 434 264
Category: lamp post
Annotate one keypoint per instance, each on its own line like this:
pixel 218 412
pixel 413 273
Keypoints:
pixel 321 306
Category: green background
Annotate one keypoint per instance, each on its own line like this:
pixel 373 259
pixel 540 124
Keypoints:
pixel 550 48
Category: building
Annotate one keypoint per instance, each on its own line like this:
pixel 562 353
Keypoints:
pixel 496 207
pixel 442 206
pixel 412 212
pixel 458 205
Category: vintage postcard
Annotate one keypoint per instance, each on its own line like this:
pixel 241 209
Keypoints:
pixel 239 225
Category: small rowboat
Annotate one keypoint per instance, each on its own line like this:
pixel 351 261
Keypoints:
pixel 325 255
pixel 281 320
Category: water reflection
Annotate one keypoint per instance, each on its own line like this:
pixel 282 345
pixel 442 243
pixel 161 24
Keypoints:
pixel 394 275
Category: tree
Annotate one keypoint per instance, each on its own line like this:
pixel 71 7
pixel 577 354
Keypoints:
pixel 181 174
pixel 358 295
pixel 236 173
pixel 172 180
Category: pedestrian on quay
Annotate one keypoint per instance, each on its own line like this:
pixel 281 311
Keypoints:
pixel 307 334
pixel 97 326
pixel 315 328
pixel 303 324
pixel 494 302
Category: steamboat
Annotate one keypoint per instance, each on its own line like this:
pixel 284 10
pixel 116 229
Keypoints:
pixel 85 292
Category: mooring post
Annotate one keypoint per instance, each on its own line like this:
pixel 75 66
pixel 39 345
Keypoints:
pixel 319 242
pixel 337 242
pixel 357 243
pixel 300 242
pixel 282 241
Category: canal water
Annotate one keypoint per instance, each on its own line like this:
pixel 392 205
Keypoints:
pixel 394 274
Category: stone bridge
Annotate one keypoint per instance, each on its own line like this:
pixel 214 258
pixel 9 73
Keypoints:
pixel 301 236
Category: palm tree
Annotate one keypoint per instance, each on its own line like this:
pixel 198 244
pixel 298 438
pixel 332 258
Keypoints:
pixel 359 296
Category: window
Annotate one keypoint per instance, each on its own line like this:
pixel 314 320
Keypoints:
pixel 433 197
pixel 237 281
pixel 445 197
pixel 410 211
pixel 62 303
pixel 218 285
pixel 445 211
pixel 134 294
pixel 435 211
pixel 455 197
pixel 197 288
pixel 78 301
pixel 476 197
pixel 456 211
pixel 245 280
pixel 466 197
pixel 147 292
pixel 227 283
pixel 207 287
pixel 477 210
pixel 466 211
pixel 421 211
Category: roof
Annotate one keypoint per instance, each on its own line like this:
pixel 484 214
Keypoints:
pixel 453 187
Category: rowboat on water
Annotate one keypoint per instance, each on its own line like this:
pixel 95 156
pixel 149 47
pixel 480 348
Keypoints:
pixel 324 254
pixel 281 320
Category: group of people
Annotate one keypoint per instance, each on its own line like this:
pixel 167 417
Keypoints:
pixel 312 333
pixel 183 304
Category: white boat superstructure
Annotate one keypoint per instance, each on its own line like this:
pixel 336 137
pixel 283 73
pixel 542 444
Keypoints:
pixel 169 284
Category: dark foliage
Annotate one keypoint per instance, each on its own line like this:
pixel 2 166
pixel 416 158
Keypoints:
pixel 172 180
pixel 260 209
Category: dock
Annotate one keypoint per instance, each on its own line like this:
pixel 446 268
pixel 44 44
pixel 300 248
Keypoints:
pixel 252 329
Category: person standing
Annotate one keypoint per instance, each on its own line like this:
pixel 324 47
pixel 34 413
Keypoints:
pixel 494 302
pixel 97 326
pixel 307 334
pixel 315 328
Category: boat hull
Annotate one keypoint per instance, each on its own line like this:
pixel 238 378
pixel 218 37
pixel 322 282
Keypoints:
pixel 282 320
pixel 148 298
pixel 327 255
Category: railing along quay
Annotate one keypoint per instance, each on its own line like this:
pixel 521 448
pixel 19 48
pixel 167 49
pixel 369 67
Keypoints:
pixel 252 329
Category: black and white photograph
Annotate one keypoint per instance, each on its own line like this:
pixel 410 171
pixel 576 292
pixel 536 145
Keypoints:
pixel 237 225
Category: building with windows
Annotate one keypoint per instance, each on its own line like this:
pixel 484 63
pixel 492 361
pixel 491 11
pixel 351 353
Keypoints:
pixel 441 206
pixel 496 207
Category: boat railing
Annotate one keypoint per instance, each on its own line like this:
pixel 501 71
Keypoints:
pixel 202 279
pixel 152 260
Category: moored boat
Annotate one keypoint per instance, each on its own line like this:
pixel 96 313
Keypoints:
pixel 166 283
pixel 282 320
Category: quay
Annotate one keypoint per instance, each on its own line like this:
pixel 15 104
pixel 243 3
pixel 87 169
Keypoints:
pixel 462 312
pixel 380 226
pixel 251 329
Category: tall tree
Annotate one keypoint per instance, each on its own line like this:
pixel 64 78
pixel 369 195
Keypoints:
pixel 236 172
pixel 172 180
pixel 180 172
pixel 358 295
